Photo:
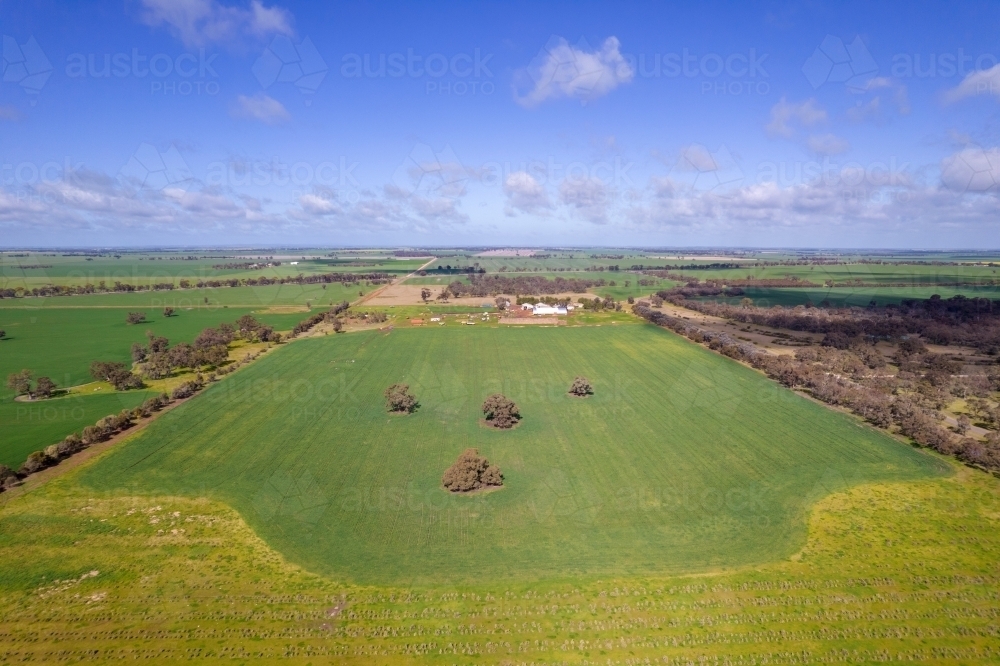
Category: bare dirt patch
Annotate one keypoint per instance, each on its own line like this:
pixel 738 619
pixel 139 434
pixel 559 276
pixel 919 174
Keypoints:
pixel 774 341
pixel 401 294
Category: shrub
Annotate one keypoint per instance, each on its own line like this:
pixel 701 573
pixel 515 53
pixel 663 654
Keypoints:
pixel 581 387
pixel 185 390
pixel 36 462
pixel 168 312
pixel 135 317
pixel 399 399
pixel 8 477
pixel 44 387
pixel 471 472
pixel 19 382
pixel 500 411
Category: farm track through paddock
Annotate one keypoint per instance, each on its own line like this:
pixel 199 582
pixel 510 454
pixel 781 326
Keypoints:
pixel 681 461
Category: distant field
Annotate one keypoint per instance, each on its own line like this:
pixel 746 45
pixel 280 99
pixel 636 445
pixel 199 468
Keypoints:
pixel 259 297
pixel 682 461
pixel 61 343
pixel 37 269
pixel 857 296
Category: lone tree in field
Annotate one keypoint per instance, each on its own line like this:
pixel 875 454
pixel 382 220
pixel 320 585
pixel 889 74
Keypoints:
pixel 3 334
pixel 581 387
pixel 168 312
pixel 399 400
pixel 471 472
pixel 500 411
pixel 19 382
pixel 135 317
pixel 425 294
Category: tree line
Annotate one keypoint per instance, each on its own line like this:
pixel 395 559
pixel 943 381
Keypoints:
pixel 125 287
pixel 493 285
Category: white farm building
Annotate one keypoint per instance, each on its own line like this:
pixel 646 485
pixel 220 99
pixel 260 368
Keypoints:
pixel 544 309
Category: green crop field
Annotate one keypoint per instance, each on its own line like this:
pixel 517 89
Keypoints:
pixel 247 297
pixel 62 343
pixel 855 296
pixel 144 268
pixel 682 461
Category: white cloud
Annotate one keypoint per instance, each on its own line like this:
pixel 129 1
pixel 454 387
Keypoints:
pixel 870 110
pixel 981 82
pixel 314 204
pixel 260 107
pixel 827 144
pixel 201 22
pixel 588 196
pixel 785 114
pixel 8 112
pixel 525 194
pixel 900 94
pixel 972 169
pixel 560 70
pixel 968 196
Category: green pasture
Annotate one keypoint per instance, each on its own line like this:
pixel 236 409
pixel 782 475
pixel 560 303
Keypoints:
pixel 38 269
pixel 28 427
pixel 61 344
pixel 259 297
pixel 682 461
pixel 913 275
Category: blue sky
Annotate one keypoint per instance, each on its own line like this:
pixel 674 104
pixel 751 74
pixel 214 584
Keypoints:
pixel 198 122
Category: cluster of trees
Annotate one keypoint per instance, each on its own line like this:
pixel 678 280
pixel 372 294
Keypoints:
pixel 21 384
pixel 372 316
pixel 581 387
pixel 854 378
pixel 73 443
pixel 330 315
pixel 157 359
pixel 500 411
pixel 599 304
pixel 471 472
pixel 115 374
pixel 494 285
pixel 399 400
pixel 454 270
